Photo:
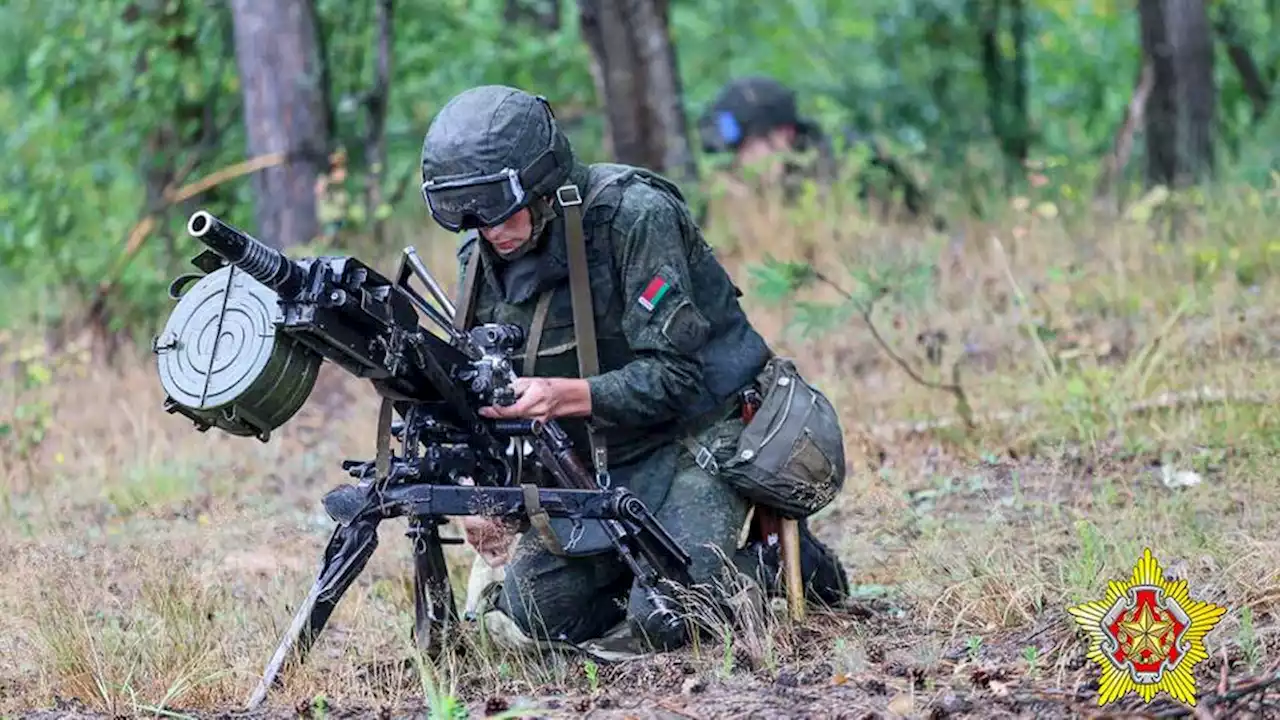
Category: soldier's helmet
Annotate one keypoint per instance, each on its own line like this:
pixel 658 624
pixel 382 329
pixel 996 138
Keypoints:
pixel 746 107
pixel 488 153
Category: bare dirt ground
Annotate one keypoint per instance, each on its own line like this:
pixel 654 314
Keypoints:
pixel 1125 399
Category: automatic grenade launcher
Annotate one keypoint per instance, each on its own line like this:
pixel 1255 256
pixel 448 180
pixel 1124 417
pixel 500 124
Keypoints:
pixel 241 351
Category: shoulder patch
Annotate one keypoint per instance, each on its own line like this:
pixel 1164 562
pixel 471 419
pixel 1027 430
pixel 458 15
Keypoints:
pixel 654 292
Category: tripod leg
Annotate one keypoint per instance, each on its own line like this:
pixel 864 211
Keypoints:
pixel 345 557
pixel 433 605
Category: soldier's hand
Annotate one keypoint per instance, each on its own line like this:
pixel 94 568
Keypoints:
pixel 489 536
pixel 545 399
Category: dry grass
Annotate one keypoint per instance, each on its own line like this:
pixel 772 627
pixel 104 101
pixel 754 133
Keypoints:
pixel 148 566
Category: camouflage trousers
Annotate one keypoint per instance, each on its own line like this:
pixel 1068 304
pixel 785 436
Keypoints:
pixel 550 597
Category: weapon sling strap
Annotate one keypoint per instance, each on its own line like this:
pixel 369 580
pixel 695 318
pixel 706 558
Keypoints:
pixel 539 519
pixel 585 335
pixel 536 513
pixel 466 310
pixel 466 298
pixel 535 331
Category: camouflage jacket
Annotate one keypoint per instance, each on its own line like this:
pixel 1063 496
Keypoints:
pixel 673 343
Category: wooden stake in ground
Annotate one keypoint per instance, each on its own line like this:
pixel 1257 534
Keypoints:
pixel 790 540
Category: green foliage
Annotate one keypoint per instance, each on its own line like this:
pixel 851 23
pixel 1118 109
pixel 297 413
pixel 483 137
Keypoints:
pixel 906 282
pixel 442 47
pixel 89 94
pixel 99 97
pixel 776 280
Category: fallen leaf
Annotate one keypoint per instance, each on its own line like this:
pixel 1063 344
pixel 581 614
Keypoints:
pixel 902 705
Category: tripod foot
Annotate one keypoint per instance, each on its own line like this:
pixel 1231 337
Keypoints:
pixel 345 557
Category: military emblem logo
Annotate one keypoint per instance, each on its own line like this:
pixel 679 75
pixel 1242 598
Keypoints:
pixel 1147 635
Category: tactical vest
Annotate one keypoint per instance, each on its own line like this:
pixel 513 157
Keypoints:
pixel 576 330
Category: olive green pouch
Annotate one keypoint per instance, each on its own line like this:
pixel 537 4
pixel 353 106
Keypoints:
pixel 790 457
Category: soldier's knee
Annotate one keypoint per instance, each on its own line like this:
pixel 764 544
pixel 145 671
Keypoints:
pixel 521 602
pixel 562 606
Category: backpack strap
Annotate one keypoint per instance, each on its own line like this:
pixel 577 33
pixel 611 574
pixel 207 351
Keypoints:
pixel 584 320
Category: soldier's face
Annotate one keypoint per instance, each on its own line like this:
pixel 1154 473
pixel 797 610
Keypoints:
pixel 757 148
pixel 511 235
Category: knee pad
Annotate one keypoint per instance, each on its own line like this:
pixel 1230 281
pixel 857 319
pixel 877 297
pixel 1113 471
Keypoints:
pixel 660 633
pixel 507 633
pixel 482 583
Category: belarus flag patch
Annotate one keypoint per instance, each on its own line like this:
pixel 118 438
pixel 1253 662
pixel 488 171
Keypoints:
pixel 653 293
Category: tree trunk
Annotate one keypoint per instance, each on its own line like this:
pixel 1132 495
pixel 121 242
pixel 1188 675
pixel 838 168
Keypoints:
pixel 985 15
pixel 1110 181
pixel 376 105
pixel 196 124
pixel 281 77
pixel 1177 37
pixel 634 66
pixel 1007 93
pixel 1018 127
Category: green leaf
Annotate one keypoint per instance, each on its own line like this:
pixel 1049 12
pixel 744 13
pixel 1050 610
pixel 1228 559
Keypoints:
pixel 812 318
pixel 776 280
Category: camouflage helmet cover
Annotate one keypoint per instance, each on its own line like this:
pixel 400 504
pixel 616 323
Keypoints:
pixel 494 128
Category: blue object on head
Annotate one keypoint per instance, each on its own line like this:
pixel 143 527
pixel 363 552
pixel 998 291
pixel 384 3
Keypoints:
pixel 728 126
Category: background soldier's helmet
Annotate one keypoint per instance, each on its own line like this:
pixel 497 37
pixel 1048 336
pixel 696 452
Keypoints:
pixel 488 153
pixel 746 107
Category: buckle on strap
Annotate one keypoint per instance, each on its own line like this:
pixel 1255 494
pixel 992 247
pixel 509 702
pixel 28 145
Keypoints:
pixel 704 458
pixel 540 520
pixel 568 195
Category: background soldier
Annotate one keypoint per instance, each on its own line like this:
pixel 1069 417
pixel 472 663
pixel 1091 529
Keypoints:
pixel 755 118
pixel 675 352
